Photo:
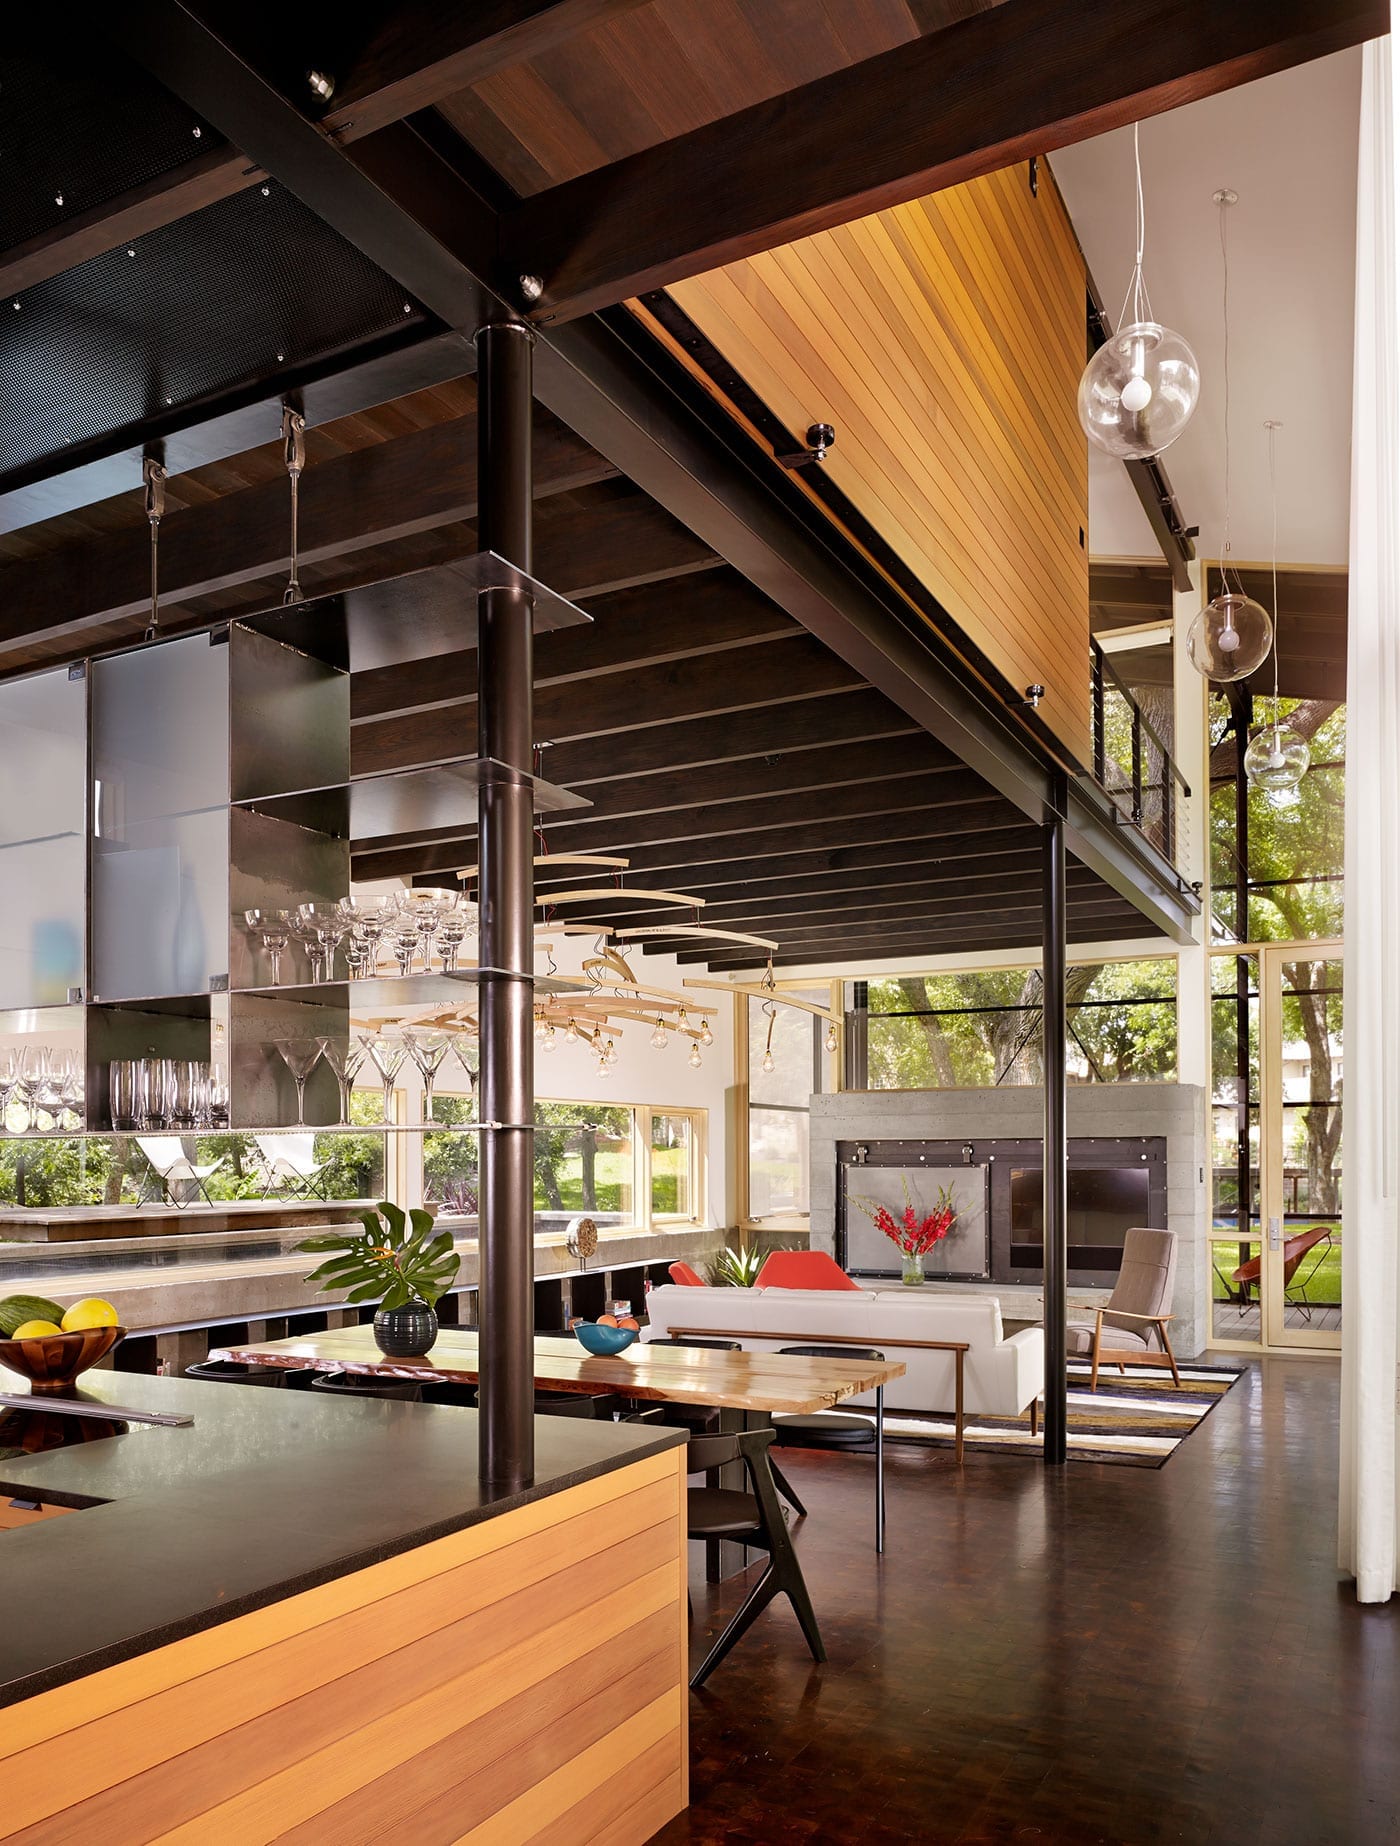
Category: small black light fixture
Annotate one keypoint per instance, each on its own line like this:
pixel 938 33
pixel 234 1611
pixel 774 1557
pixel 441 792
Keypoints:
pixel 820 438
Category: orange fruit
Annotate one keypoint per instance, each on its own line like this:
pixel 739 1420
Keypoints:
pixel 607 1320
pixel 626 1320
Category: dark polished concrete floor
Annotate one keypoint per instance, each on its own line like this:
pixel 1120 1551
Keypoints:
pixel 1093 1654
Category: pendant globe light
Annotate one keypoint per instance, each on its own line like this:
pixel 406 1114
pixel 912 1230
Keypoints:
pixel 1138 391
pixel 1277 759
pixel 1232 635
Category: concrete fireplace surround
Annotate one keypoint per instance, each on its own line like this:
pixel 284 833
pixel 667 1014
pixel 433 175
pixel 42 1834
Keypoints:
pixel 1174 1110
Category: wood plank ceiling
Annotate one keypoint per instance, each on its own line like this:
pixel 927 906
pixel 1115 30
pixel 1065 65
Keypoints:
pixel 460 150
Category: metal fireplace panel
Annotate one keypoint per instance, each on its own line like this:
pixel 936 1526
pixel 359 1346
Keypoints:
pixel 964 1255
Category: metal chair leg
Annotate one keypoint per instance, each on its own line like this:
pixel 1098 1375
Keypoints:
pixel 879 1468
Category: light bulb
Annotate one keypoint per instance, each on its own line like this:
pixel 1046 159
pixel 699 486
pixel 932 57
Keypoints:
pixel 610 1053
pixel 1277 759
pixel 694 1059
pixel 1230 638
pixel 539 1027
pixel 1137 394
pixel 550 1039
pixel 571 1033
pixel 603 1070
pixel 658 1037
pixel 831 1038
pixel 768 1064
pixel 707 1037
pixel 1138 391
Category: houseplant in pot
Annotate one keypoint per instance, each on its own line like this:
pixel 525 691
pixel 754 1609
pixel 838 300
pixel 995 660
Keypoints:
pixel 401 1261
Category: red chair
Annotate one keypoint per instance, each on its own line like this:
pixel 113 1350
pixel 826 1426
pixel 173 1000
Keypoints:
pixel 685 1277
pixel 802 1269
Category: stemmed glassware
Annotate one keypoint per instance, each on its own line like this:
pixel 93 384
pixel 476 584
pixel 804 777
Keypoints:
pixel 428 1048
pixel 458 921
pixel 33 1083
pixel 301 1056
pixel 403 934
pixel 345 1058
pixel 9 1082
pixel 465 1047
pixel 321 927
pixel 387 1056
pixel 270 927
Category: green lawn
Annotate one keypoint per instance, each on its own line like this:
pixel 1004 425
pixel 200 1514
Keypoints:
pixel 1324 1286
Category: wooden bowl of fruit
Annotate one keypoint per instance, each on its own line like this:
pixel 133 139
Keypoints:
pixel 53 1346
pixel 607 1336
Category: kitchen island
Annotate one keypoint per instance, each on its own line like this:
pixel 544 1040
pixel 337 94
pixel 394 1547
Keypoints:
pixel 299 1618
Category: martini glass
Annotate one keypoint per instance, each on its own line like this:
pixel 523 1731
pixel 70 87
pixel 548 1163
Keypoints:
pixel 428 1049
pixel 387 1056
pixel 270 927
pixel 301 1056
pixel 345 1060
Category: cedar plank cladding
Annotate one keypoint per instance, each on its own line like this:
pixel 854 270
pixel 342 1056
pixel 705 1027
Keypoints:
pixel 944 339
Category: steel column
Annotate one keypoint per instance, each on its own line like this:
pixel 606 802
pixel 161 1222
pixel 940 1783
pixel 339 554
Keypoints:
pixel 505 679
pixel 1056 1151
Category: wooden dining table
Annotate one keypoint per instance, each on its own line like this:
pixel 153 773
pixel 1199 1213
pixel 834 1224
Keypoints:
pixel 748 1388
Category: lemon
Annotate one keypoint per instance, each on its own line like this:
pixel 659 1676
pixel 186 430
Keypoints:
pixel 92 1311
pixel 35 1330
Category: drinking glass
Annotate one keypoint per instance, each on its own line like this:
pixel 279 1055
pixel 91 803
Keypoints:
pixel 270 927
pixel 458 922
pixel 345 1060
pixel 217 1098
pixel 9 1079
pixel 124 1088
pixel 187 1084
pixel 387 1056
pixel 465 1047
pixel 322 928
pixel 33 1084
pixel 428 1048
pixel 157 1090
pixel 429 909
pixel 403 936
pixel 301 1056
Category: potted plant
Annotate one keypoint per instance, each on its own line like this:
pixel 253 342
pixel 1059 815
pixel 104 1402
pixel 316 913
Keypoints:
pixel 914 1236
pixel 736 1268
pixel 399 1260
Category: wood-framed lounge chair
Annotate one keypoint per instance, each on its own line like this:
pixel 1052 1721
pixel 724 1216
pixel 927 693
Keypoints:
pixel 1121 1332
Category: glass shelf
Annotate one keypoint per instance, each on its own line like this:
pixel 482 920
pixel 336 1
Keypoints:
pixel 418 617
pixel 401 989
pixel 407 803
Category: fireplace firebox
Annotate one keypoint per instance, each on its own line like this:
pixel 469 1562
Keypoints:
pixel 1114 1184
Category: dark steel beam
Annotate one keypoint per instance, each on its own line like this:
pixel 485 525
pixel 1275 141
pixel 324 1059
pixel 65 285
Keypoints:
pixel 1055 1153
pixel 193 436
pixel 995 88
pixel 423 53
pixel 505 894
pixel 861 952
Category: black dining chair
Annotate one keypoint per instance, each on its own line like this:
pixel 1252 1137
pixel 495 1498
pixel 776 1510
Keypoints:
pixel 753 1518
pixel 228 1371
pixel 368 1384
pixel 841 1429
pixel 597 1405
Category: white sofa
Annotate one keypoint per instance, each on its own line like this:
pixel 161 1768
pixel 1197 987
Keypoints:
pixel 1002 1377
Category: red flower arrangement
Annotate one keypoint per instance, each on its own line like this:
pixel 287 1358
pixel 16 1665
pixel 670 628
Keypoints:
pixel 914 1235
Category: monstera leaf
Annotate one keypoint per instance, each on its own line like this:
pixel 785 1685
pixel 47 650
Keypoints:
pixel 395 1259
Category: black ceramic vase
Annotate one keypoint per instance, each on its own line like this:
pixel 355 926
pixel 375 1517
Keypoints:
pixel 407 1332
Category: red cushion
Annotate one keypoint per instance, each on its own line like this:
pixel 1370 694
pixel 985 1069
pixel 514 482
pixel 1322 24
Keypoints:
pixel 803 1269
pixel 685 1277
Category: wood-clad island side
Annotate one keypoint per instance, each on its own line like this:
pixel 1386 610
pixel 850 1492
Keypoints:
pixel 298 1621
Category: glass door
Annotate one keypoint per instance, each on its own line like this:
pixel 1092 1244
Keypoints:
pixel 1300 1172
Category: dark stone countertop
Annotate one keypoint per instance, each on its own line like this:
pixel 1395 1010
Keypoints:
pixel 269 1493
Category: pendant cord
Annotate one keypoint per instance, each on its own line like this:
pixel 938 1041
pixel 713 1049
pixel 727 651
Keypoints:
pixel 1225 317
pixel 1137 287
pixel 1272 427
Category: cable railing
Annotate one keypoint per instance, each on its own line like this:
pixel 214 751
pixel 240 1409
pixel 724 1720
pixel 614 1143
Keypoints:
pixel 1132 763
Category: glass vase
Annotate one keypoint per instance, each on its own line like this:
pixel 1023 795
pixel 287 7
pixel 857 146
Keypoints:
pixel 912 1274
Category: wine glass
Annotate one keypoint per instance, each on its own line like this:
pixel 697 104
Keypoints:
pixel 9 1080
pixel 387 1056
pixel 345 1059
pixel 301 1056
pixel 270 927
pixel 428 1048
pixel 33 1083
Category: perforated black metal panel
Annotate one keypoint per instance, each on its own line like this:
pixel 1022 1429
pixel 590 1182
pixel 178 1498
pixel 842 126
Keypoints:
pixel 78 121
pixel 245 291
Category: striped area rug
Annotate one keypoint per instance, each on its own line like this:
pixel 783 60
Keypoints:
pixel 1139 1421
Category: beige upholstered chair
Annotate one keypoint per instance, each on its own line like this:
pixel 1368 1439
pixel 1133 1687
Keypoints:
pixel 1121 1332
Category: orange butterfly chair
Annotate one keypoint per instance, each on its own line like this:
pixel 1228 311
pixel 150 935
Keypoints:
pixel 685 1277
pixel 802 1269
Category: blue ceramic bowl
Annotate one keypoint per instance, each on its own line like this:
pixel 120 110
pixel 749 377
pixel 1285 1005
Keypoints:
pixel 604 1342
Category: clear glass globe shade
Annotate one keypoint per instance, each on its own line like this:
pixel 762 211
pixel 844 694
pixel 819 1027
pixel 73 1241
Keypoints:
pixel 1139 390
pixel 1277 759
pixel 1230 638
